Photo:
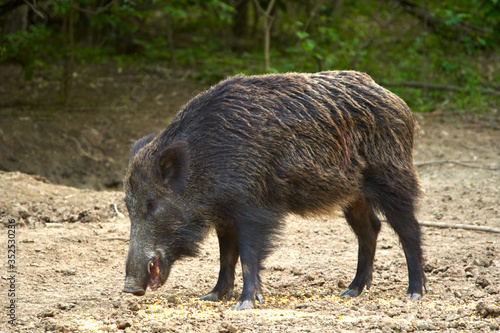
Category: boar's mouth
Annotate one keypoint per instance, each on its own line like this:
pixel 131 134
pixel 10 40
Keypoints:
pixel 154 272
pixel 155 276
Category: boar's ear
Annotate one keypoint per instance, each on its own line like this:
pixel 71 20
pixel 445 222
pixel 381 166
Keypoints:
pixel 174 165
pixel 139 144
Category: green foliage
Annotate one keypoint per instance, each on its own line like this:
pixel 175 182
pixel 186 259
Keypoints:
pixel 27 47
pixel 451 42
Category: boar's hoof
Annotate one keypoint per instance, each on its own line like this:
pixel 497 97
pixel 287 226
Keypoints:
pixel 136 292
pixel 248 304
pixel 243 305
pixel 413 297
pixel 350 293
pixel 212 297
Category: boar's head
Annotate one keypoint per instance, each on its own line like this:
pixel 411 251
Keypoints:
pixel 159 233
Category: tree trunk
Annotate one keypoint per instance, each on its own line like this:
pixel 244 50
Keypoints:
pixel 240 19
pixel 69 54
pixel 16 20
pixel 170 37
pixel 337 11
pixel 268 23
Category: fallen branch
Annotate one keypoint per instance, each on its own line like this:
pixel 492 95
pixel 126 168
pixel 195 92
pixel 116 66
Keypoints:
pixel 117 212
pixel 459 226
pixel 53 225
pixel 115 239
pixel 464 164
pixel 444 225
pixel 424 85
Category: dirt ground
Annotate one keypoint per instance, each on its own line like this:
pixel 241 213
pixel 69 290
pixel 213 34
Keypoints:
pixel 71 243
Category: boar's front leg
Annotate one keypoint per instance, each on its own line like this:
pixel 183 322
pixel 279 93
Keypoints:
pixel 256 229
pixel 366 225
pixel 229 253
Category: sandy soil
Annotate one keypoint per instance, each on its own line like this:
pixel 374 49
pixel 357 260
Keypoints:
pixel 71 246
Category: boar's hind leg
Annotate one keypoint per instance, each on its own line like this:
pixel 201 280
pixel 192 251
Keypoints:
pixel 366 225
pixel 256 229
pixel 395 195
pixel 405 224
pixel 229 253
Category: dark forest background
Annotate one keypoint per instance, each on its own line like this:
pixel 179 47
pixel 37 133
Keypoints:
pixel 435 54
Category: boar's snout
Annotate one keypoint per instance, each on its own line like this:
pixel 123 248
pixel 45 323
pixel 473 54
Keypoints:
pixel 131 286
pixel 138 273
